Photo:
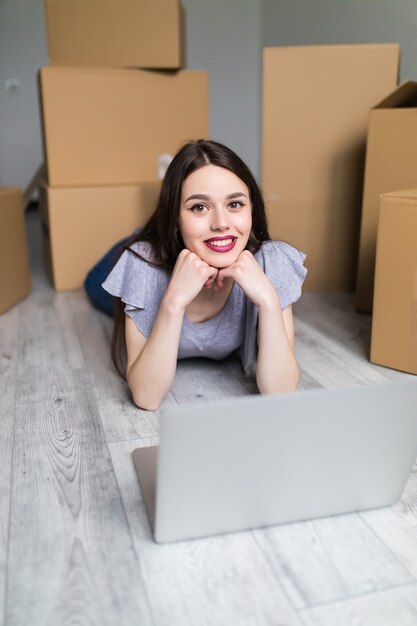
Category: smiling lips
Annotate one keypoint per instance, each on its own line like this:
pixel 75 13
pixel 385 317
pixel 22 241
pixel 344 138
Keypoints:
pixel 221 244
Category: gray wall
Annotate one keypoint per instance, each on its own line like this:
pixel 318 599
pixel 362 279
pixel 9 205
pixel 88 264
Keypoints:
pixel 225 37
pixel 309 22
pixel 22 52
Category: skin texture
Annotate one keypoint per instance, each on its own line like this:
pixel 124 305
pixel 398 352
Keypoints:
pixel 215 223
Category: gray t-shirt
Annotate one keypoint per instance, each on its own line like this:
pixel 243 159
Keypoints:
pixel 141 287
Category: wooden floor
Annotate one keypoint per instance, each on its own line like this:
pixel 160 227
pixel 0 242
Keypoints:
pixel 75 546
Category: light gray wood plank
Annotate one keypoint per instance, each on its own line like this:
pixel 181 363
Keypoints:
pixel 209 582
pixel 8 367
pixel 201 380
pixel 47 334
pixel 330 363
pixel 396 607
pixel 334 315
pixel 330 559
pixel 121 419
pixel 234 364
pixel 307 380
pixel 396 526
pixel 71 556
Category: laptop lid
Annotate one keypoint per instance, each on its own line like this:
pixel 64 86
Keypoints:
pixel 250 462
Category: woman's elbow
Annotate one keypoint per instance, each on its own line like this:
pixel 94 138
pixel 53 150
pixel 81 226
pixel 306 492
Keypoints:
pixel 144 403
pixel 286 382
pixel 142 395
pixel 144 398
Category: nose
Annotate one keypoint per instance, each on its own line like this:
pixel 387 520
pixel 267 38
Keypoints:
pixel 220 219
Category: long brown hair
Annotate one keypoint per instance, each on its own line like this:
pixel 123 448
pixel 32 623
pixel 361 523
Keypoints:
pixel 161 230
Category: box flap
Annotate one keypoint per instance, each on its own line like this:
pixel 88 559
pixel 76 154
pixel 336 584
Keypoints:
pixel 6 191
pixel 405 96
pixel 407 194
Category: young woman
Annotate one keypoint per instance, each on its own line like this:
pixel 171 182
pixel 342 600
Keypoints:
pixel 203 278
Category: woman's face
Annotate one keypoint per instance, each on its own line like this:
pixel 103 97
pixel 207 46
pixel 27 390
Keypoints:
pixel 215 217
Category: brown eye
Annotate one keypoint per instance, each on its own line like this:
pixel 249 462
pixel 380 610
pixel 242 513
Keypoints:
pixel 198 208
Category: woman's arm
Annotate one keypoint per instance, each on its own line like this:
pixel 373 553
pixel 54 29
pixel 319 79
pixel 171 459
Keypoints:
pixel 276 368
pixel 152 361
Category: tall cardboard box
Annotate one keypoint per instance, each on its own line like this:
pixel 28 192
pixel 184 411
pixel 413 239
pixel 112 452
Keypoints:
pixel 111 126
pixel 391 163
pixel 394 320
pixel 316 101
pixel 81 224
pixel 115 33
pixel 14 259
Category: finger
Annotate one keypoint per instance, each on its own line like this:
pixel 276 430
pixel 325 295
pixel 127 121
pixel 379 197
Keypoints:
pixel 220 279
pixel 211 276
pixel 184 252
pixel 226 272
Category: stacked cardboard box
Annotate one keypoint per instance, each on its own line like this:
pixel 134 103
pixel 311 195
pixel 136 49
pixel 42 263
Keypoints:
pixel 115 33
pixel 109 117
pixel 316 102
pixel 14 261
pixel 111 126
pixel 391 163
pixel 394 320
pixel 81 223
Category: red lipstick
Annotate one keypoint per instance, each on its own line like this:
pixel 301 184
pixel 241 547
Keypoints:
pixel 221 244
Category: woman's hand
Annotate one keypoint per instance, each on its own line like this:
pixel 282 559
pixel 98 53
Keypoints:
pixel 188 278
pixel 152 360
pixel 276 368
pixel 247 272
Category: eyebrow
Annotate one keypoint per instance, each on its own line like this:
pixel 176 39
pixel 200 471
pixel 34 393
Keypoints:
pixel 230 196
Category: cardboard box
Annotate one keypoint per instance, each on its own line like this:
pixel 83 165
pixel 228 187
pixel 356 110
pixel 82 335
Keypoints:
pixel 115 33
pixel 81 224
pixel 316 101
pixel 110 127
pixel 391 163
pixel 14 260
pixel 394 320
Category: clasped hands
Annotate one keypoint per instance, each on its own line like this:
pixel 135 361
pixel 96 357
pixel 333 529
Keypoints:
pixel 191 274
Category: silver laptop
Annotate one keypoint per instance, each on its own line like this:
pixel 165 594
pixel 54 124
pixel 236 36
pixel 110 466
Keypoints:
pixel 256 461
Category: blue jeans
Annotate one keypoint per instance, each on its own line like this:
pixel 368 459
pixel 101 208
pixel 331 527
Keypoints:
pixel 98 297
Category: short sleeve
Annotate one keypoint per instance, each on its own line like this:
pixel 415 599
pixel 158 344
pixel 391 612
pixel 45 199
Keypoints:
pixel 284 266
pixel 139 284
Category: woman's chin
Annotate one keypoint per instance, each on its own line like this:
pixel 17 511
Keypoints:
pixel 224 260
pixel 219 260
